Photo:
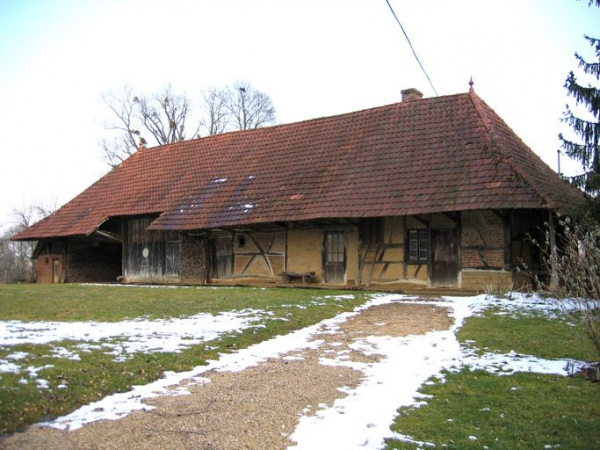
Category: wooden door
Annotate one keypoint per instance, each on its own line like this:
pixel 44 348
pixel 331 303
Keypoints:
pixel 444 258
pixel 222 257
pixel 56 270
pixel 334 257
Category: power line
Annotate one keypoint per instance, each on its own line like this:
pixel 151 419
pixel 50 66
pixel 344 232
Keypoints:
pixel 412 48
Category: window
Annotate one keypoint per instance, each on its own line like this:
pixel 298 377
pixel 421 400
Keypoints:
pixel 418 245
pixel 371 231
pixel 241 241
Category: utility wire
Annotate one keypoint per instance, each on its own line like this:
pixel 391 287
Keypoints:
pixel 412 48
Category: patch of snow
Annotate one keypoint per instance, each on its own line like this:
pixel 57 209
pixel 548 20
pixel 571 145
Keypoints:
pixel 9 367
pixel 17 355
pixel 33 371
pixel 361 419
pixel 119 405
pixel 133 336
pixel 61 352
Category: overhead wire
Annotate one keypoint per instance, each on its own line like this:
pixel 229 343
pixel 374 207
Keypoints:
pixel 412 48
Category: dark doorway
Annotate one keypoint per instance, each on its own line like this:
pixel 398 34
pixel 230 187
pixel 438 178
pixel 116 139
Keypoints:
pixel 444 258
pixel 334 257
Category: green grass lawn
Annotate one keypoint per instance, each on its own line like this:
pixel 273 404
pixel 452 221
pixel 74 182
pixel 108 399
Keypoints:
pixel 97 374
pixel 477 409
pixel 468 409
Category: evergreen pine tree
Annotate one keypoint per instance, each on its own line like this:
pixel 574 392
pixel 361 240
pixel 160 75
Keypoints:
pixel 587 149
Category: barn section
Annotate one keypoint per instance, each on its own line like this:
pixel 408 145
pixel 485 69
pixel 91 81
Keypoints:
pixel 432 192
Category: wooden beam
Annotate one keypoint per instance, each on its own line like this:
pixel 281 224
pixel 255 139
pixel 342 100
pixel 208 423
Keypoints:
pixel 422 221
pixel 454 217
pixel 361 262
pixel 109 235
pixel 373 265
pixel 262 252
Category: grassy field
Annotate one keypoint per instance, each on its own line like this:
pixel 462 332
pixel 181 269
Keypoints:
pixel 477 409
pixel 97 373
pixel 467 409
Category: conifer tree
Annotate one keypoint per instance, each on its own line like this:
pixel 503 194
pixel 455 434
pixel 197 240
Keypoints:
pixel 586 149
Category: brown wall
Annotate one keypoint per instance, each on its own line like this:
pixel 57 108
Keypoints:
pixel 482 240
pixel 352 242
pixel 44 270
pixel 259 254
pixel 305 252
pixel 484 280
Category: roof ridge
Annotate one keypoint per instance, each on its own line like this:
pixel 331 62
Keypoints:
pixel 476 100
pixel 300 122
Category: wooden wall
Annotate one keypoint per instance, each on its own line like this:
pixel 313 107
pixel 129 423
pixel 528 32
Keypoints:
pixel 150 256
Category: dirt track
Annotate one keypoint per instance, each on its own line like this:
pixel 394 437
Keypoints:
pixel 257 408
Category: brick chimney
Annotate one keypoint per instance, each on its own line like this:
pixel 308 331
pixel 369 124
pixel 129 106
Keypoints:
pixel 411 94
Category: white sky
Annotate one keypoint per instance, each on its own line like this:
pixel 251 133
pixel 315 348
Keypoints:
pixel 314 58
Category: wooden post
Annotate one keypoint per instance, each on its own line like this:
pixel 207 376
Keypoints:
pixel 553 255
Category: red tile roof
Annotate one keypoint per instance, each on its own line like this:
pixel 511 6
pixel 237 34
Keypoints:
pixel 449 153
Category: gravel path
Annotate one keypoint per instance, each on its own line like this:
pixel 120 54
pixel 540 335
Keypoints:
pixel 257 408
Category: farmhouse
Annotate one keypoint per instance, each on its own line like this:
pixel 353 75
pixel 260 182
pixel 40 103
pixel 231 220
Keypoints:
pixel 429 191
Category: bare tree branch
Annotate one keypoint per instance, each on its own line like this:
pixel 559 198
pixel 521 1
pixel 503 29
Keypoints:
pixel 249 108
pixel 165 116
pixel 217 115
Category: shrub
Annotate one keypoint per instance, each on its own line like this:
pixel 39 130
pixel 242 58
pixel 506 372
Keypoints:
pixel 576 268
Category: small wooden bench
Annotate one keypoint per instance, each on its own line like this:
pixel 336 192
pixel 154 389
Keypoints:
pixel 307 277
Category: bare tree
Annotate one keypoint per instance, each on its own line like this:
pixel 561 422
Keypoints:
pixel 217 116
pixel 162 116
pixel 125 143
pixel 16 264
pixel 249 108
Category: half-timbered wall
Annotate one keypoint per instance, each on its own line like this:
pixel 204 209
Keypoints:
pixel 483 240
pixel 381 250
pixel 485 252
pixel 259 254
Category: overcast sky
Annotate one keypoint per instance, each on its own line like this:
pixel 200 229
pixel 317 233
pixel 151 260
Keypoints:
pixel 313 57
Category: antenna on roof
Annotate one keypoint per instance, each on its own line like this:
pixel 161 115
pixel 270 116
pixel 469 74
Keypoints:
pixel 471 83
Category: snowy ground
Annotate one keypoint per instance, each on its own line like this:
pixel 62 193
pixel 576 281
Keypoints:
pixel 360 420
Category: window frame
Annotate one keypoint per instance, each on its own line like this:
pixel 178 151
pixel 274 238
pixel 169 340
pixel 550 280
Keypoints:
pixel 418 247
